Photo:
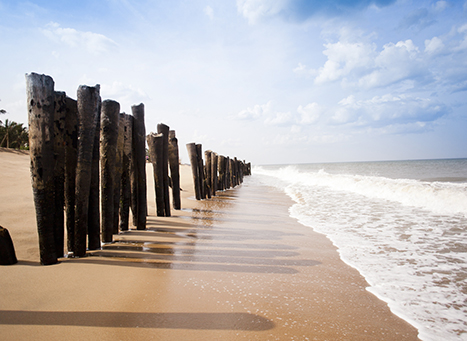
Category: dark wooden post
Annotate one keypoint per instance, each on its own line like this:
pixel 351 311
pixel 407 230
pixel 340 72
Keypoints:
pixel 164 130
pixel 118 171
pixel 88 99
pixel 41 97
pixel 7 249
pixel 139 141
pixel 227 172
pixel 202 177
pixel 156 155
pixel 94 218
pixel 174 164
pixel 221 166
pixel 133 176
pixel 126 164
pixel 71 158
pixel 207 173
pixel 193 155
pixel 109 132
pixel 59 170
pixel 234 172
pixel 214 172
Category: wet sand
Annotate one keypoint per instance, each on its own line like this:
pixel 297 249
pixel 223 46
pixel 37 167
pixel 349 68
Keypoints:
pixel 233 267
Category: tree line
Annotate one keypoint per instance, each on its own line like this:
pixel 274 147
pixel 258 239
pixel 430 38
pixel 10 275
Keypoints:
pixel 12 134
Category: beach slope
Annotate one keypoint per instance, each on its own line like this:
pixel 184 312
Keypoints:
pixel 233 267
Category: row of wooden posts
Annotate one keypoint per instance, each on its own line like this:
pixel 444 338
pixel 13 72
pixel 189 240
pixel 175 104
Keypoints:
pixel 69 139
pixel 218 173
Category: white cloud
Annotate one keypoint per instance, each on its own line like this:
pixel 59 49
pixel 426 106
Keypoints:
pixel 434 45
pixel 279 119
pixel 92 42
pixel 303 70
pixel 396 63
pixel 310 113
pixel 255 112
pixel 126 95
pixel 345 59
pixel 440 6
pixel 253 10
pixel 209 12
pixel 388 109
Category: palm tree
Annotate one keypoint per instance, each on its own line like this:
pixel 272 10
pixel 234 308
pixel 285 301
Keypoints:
pixel 13 135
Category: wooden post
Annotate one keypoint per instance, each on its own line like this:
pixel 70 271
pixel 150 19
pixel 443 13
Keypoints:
pixel 40 101
pixel 156 155
pixel 164 130
pixel 139 141
pixel 118 171
pixel 94 217
pixel 88 99
pixel 221 166
pixel 193 155
pixel 174 164
pixel 109 132
pixel 207 173
pixel 59 170
pixel 214 172
pixel 133 176
pixel 126 164
pixel 202 177
pixel 235 172
pixel 227 172
pixel 7 249
pixel 71 158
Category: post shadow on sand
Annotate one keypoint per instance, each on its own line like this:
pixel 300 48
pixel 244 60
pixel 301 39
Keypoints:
pixel 194 321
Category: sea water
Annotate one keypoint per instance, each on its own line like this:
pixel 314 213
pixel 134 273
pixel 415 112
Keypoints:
pixel 401 224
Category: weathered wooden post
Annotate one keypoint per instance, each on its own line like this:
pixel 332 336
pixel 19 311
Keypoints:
pixel 234 172
pixel 227 173
pixel 126 164
pixel 202 176
pixel 94 216
pixel 71 158
pixel 139 141
pixel 109 136
pixel 214 172
pixel 7 249
pixel 59 170
pixel 221 166
pixel 40 101
pixel 207 174
pixel 193 155
pixel 156 155
pixel 174 164
pixel 88 99
pixel 164 130
pixel 118 171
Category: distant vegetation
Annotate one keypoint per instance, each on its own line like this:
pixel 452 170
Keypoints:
pixel 12 134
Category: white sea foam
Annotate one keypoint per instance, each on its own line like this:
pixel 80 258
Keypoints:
pixel 440 197
pixel 407 237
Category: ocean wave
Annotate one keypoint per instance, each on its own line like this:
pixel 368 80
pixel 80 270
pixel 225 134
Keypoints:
pixel 436 196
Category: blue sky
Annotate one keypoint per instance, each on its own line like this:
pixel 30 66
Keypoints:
pixel 269 81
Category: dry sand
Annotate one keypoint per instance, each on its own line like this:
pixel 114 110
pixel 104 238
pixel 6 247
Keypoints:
pixel 233 267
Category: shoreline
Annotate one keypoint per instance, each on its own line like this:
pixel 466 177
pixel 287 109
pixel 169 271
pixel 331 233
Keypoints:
pixel 235 266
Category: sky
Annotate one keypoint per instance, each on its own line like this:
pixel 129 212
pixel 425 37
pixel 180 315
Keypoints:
pixel 266 81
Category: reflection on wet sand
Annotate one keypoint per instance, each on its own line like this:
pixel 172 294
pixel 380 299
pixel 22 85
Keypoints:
pixel 205 238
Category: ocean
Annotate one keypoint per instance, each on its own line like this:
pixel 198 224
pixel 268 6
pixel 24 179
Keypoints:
pixel 401 224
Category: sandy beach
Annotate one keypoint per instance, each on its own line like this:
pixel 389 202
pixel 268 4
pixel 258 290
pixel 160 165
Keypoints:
pixel 233 267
